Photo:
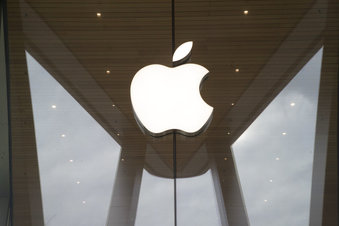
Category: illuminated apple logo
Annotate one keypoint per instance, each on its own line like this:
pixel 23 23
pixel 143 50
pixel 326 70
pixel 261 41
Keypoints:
pixel 166 99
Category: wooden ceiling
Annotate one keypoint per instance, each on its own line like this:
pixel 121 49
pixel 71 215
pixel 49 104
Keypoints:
pixel 132 34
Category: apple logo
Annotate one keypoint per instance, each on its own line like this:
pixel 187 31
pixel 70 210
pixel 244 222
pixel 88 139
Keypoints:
pixel 168 99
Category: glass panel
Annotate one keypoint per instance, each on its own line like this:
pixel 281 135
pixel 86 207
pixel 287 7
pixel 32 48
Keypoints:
pixel 156 203
pixel 274 156
pixel 156 197
pixel 77 157
pixel 197 202
pixel 94 48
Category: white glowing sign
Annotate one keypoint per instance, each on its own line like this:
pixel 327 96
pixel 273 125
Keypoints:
pixel 166 99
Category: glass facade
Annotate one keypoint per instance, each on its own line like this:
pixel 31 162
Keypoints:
pixel 77 158
pixel 279 145
pixel 80 157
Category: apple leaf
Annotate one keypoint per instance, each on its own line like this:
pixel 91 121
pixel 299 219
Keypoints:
pixel 182 51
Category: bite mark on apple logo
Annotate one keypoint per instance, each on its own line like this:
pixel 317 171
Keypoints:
pixel 168 99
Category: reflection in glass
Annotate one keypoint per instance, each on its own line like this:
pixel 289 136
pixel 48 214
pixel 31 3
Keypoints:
pixel 156 201
pixel 274 156
pixel 197 202
pixel 77 157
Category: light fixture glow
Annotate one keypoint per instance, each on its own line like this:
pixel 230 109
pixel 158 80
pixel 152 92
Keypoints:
pixel 71 160
pixel 232 104
pixel 265 200
pixel 166 99
pixel 78 182
pixel 292 104
pixel 98 14
pixel 63 135
pixel 284 133
pixel 108 72
pixel 225 158
pixel 182 51
pixel 245 12
pixel 83 202
pixel 277 158
pixel 271 180
pixel 53 106
pixel 237 70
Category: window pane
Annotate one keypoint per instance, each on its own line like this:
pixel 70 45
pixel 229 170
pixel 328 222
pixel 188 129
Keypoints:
pixel 77 157
pixel 274 156
pixel 197 201
pixel 156 201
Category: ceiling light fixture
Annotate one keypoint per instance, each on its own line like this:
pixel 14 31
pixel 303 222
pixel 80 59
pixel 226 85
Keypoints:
pixel 53 106
pixel 245 12
pixel 98 14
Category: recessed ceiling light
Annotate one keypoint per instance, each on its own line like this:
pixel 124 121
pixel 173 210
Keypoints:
pixel 63 135
pixel 292 104
pixel 284 133
pixel 225 158
pixel 108 72
pixel 113 105
pixel 277 158
pixel 232 104
pixel 53 106
pixel 98 14
pixel 71 160
pixel 245 12
pixel 237 70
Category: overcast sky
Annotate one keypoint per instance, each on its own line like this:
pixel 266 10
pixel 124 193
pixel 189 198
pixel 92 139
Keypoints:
pixel 77 171
pixel 274 156
pixel 78 162
pixel 196 200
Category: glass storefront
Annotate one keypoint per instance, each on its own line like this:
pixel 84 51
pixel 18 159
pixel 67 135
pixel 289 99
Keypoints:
pixel 79 157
